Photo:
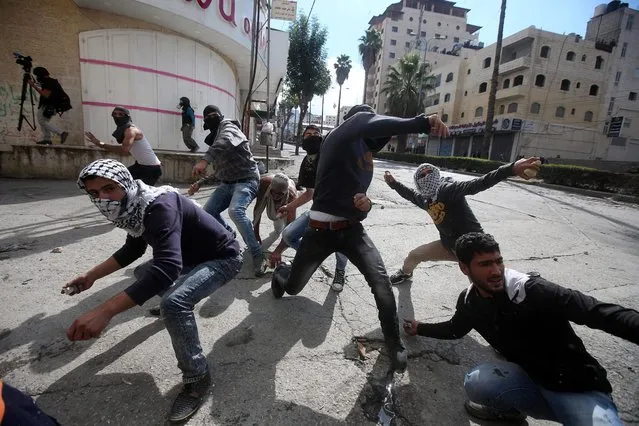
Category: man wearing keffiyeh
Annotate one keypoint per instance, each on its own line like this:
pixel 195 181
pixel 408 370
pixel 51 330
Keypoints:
pixel 193 255
pixel 445 201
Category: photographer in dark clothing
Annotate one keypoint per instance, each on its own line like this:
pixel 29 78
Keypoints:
pixel 188 124
pixel 340 204
pixel 549 374
pixel 51 96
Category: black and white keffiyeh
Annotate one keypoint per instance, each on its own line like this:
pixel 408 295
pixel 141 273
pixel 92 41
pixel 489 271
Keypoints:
pixel 128 213
pixel 427 180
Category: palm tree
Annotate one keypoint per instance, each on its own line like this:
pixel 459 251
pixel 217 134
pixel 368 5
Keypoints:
pixel 369 47
pixel 402 89
pixel 342 69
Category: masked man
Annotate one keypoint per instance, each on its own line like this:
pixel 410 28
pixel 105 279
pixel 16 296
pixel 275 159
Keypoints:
pixel 445 202
pixel 340 203
pixel 188 124
pixel 236 171
pixel 131 140
pixel 49 90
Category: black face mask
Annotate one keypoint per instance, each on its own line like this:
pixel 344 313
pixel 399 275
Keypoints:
pixel 376 145
pixel 121 121
pixel 311 144
pixel 212 123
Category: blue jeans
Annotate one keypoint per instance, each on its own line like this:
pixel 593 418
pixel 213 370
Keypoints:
pixel 236 197
pixel 294 231
pixel 505 386
pixel 177 310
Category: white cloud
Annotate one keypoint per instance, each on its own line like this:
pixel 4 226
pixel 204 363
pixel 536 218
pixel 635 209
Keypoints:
pixel 352 90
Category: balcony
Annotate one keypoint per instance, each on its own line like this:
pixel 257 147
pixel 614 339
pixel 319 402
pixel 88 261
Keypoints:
pixel 515 65
pixel 512 92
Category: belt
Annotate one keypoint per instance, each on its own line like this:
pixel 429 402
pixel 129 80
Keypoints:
pixel 331 226
pixel 231 182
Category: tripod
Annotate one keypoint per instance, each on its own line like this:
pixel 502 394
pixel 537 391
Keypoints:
pixel 25 79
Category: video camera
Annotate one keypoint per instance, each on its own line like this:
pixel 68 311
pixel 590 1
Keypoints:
pixel 25 61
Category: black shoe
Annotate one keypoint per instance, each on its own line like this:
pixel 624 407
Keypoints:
pixel 338 281
pixel 155 311
pixel 398 356
pixel 484 412
pixel 399 277
pixel 63 137
pixel 190 399
pixel 280 277
pixel 44 142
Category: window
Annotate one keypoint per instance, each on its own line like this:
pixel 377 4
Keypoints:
pixel 518 81
pixel 627 122
pixel 506 84
pixel 512 107
pixel 424 21
pixel 437 35
pixel 407 44
pixel 444 117
pixel 394 29
pixel 456 39
pixel 560 111
pixel 611 106
pixel 570 56
pixel 594 89
pixel 436 102
pixel 483 87
pixel 410 19
pixel 540 80
pixel 565 84
pixel 572 111
pixel 409 31
pixel 631 19
pixel 623 50
pixel 598 62
pixel 502 108
pixel 449 77
pixel 535 107
pixel 479 112
pixel 578 85
pixel 486 62
pixel 439 24
pixel 632 96
pixel 588 116
pixel 422 34
pixel 468 72
pixel 462 115
pixel 393 42
pixel 447 97
pixel 457 27
pixel 617 78
pixel 391 55
pixel 545 51
pixel 583 58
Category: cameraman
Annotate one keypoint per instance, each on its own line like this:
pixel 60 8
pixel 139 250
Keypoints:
pixel 49 90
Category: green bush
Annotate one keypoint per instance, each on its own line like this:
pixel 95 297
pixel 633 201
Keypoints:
pixel 558 174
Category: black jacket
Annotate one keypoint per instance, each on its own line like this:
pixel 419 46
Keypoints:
pixel 530 326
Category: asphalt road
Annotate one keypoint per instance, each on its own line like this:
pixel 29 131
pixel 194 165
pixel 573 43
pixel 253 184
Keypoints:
pixel 293 361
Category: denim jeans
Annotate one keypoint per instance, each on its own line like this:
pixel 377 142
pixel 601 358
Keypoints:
pixel 45 124
pixel 177 306
pixel 504 386
pixel 356 245
pixel 236 197
pixel 294 231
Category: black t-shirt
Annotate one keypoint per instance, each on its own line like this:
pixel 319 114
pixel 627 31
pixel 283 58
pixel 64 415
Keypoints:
pixel 308 170
pixel 52 85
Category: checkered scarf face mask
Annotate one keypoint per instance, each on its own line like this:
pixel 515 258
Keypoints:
pixel 128 213
pixel 427 184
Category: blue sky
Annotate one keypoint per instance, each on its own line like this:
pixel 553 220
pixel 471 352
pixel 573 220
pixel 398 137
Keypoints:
pixel 347 20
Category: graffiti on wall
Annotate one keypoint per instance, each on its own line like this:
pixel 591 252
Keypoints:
pixel 10 113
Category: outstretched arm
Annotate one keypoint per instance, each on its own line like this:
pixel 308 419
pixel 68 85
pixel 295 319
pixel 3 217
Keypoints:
pixel 369 125
pixel 406 192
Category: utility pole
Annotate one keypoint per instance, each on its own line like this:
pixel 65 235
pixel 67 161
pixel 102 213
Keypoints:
pixel 490 113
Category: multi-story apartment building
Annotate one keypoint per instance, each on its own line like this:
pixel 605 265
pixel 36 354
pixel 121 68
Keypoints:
pixel 330 120
pixel 557 94
pixel 416 26
pixel 343 110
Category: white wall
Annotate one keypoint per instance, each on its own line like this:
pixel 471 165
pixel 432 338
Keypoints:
pixel 148 72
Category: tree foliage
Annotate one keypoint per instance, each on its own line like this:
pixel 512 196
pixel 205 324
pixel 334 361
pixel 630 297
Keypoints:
pixel 406 79
pixel 342 68
pixel 306 64
pixel 369 46
pixel 288 102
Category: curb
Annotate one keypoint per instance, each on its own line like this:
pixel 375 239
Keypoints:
pixel 581 191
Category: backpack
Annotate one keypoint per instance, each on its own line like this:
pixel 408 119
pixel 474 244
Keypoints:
pixel 60 99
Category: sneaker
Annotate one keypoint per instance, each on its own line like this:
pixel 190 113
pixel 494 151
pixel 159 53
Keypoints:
pixel 338 281
pixel 259 265
pixel 398 357
pixel 399 277
pixel 484 412
pixel 44 142
pixel 63 137
pixel 190 399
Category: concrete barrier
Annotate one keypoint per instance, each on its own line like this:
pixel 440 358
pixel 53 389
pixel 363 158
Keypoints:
pixel 65 162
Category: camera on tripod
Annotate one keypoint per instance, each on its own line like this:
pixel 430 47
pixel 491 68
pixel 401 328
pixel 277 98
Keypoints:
pixel 25 61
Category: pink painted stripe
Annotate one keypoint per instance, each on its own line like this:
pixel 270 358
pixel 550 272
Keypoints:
pixel 153 71
pixel 135 107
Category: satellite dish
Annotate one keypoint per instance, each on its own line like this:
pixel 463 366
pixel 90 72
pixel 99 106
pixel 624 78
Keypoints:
pixel 456 48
